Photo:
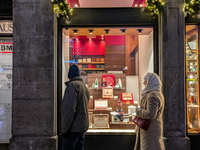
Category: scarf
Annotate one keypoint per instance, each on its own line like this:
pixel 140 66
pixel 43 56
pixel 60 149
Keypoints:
pixel 153 84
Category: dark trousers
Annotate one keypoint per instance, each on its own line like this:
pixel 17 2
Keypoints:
pixel 73 141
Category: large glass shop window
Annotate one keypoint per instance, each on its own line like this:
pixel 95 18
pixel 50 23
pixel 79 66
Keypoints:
pixel 112 62
pixel 6 50
pixel 192 79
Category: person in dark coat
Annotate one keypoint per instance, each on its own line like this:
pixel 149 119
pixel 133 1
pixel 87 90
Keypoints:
pixel 75 121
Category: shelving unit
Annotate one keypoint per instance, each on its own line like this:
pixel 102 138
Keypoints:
pixel 192 86
pixel 93 68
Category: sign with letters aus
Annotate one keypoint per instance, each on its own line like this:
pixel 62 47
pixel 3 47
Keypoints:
pixel 6 26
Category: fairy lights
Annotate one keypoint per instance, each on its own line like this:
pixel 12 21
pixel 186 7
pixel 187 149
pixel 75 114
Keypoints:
pixel 155 6
pixel 192 6
pixel 62 7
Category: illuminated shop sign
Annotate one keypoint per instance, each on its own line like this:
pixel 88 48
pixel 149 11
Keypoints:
pixel 6 48
pixel 6 26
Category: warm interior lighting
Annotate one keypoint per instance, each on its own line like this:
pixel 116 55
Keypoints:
pixel 107 31
pixel 76 5
pixel 139 31
pixel 123 31
pixel 90 31
pixel 75 31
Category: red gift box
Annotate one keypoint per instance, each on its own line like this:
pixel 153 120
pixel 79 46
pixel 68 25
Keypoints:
pixel 127 97
pixel 89 66
pixel 93 66
pixel 110 79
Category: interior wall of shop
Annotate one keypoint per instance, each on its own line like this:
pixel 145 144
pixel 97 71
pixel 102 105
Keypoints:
pixel 146 63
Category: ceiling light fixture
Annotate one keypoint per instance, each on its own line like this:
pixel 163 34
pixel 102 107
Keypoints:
pixel 91 31
pixel 123 31
pixel 75 31
pixel 107 31
pixel 139 31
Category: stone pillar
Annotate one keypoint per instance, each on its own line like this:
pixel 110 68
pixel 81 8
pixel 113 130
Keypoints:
pixel 172 67
pixel 34 102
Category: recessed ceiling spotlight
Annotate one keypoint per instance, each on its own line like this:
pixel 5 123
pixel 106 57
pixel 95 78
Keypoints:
pixel 107 31
pixel 75 31
pixel 135 5
pixel 76 5
pixel 91 31
pixel 139 31
pixel 89 39
pixel 123 31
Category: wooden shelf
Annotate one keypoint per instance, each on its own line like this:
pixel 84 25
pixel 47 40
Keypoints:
pixel 88 63
pixel 93 68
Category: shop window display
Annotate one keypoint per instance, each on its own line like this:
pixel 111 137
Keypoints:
pixel 112 64
pixel 192 79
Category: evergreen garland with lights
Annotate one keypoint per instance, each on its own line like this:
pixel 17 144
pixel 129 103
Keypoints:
pixel 62 7
pixel 192 6
pixel 155 6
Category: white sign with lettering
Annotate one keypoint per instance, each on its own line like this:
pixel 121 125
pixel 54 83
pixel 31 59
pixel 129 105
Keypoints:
pixel 6 26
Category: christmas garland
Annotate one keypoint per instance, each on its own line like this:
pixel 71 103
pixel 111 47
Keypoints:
pixel 62 7
pixel 192 6
pixel 155 6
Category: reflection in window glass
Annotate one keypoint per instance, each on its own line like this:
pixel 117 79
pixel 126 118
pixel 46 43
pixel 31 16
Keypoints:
pixel 112 62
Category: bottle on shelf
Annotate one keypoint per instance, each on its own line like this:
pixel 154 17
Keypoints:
pixel 103 83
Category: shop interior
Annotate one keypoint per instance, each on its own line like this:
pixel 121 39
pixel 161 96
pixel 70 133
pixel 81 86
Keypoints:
pixel 112 62
pixel 192 79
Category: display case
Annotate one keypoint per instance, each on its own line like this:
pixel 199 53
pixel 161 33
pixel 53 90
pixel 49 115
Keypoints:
pixel 192 79
pixel 109 66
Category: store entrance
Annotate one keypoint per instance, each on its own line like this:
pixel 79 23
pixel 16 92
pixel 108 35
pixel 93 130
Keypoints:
pixel 112 62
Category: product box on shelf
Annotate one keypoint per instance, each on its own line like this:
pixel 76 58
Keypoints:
pixel 89 66
pixel 102 59
pixel 101 121
pixel 100 104
pixel 97 66
pixel 84 60
pixel 80 60
pixel 127 97
pixel 84 66
pixel 93 66
pixel 110 79
pixel 102 66
pixel 116 117
pixel 89 60
pixel 97 60
pixel 125 118
pixel 107 92
pixel 93 59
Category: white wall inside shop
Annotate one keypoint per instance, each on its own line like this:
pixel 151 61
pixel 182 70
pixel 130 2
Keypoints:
pixel 132 86
pixel 65 60
pixel 145 57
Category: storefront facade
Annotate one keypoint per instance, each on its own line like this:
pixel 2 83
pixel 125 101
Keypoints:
pixel 39 61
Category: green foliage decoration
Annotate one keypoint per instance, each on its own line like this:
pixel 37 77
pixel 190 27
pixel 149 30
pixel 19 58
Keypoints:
pixel 62 7
pixel 155 6
pixel 192 6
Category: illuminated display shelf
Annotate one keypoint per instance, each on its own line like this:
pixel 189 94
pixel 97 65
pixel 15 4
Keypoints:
pixel 93 68
pixel 88 63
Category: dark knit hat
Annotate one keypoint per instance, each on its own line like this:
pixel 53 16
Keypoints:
pixel 73 72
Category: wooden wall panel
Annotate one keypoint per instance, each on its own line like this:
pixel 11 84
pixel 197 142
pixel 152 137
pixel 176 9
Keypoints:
pixel 131 42
pixel 114 57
